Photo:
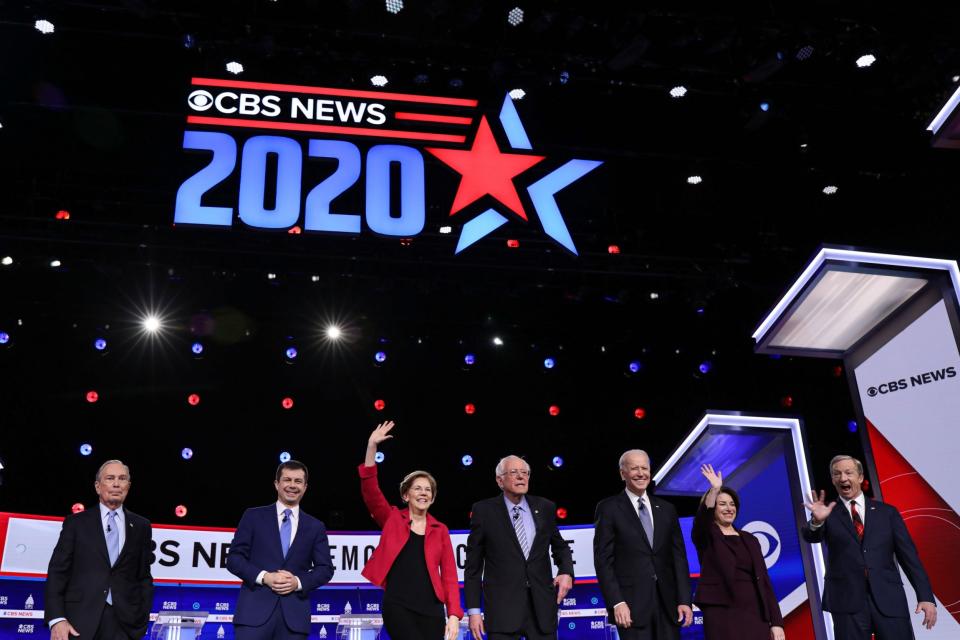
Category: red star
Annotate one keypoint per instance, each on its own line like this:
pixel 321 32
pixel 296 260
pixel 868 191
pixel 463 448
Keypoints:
pixel 485 170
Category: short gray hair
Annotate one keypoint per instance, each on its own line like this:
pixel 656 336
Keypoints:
pixel 109 462
pixel 502 463
pixel 841 458
pixel 623 457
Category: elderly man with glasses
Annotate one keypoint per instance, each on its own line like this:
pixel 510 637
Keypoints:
pixel 508 563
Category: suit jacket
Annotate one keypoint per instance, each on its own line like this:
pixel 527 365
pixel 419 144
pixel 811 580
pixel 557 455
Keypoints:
pixel 79 575
pixel 395 523
pixel 256 547
pixel 497 569
pixel 629 569
pixel 718 568
pixel 852 564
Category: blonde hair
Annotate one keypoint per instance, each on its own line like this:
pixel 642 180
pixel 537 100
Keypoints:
pixel 407 482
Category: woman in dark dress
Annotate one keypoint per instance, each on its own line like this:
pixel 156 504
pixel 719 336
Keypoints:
pixel 414 560
pixel 734 590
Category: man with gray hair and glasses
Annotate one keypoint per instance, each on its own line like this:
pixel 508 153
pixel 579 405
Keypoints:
pixel 641 559
pixel 99 584
pixel 866 539
pixel 508 563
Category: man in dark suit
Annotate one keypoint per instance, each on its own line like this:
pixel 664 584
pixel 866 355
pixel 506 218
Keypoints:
pixel 281 554
pixel 98 583
pixel 865 540
pixel 508 561
pixel 640 558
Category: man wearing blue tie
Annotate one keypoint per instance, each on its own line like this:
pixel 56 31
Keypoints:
pixel 281 554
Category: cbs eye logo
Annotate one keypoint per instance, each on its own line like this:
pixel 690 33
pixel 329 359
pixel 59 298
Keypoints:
pixel 200 100
pixel 872 391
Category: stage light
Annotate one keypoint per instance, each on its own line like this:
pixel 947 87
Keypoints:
pixel 466 460
pixel 187 453
pixel 4 338
pixel 181 511
pixel 613 249
pixel 678 91
pixel 553 410
pixel 284 456
pixel 837 371
pixel 634 366
pixel 271 276
pixel 44 26
pixel 805 52
pixel 378 81
pixel 380 356
pixel 63 214
pixel 235 68
pixel 564 77
pixel 865 61
pixel 654 295
pixel 421 78
pixel 314 278
pixel 549 363
pixel 446 229
pixel 406 242
pixel 786 401
pixel 515 17
pixel 287 403
pixel 694 180
pixel 379 405
pixel 193 399
pixel 7 261
pixel 513 244
pixel 705 367
pixel 55 263
pixel 99 344
pixel 455 83
pixel 557 462
pixel 517 94
pixel 830 189
pixel 561 513
pixel 151 324
pixel 77 507
pixel 497 341
pixel 764 106
pixel 852 426
pixel 469 359
pixel 86 449
pixel 290 354
pixel 189 41
pixel 379 456
pixel 197 348
pixel 92 396
pixel 470 409
pixel 334 332
pixel 639 413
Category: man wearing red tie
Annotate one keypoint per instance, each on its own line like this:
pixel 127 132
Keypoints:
pixel 866 539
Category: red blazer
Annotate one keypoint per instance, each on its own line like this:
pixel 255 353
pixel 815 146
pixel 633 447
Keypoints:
pixel 718 566
pixel 395 524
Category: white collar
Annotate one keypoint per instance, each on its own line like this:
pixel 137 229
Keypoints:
pixel 282 507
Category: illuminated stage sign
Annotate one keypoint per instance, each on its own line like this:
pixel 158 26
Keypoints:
pixel 453 130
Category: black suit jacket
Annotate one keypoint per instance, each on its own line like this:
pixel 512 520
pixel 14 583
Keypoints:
pixel 496 567
pixel 851 565
pixel 629 569
pixel 80 575
pixel 718 568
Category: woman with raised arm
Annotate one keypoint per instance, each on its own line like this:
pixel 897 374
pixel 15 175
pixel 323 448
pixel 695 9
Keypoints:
pixel 734 590
pixel 414 560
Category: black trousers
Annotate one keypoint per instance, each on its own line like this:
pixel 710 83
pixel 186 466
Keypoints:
pixel 529 630
pixel 403 624
pixel 275 628
pixel 859 626
pixel 109 628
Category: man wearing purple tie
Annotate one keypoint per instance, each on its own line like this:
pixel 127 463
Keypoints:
pixel 281 554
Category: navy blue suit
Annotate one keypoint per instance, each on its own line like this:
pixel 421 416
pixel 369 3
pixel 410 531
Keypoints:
pixel 256 547
pixel 862 580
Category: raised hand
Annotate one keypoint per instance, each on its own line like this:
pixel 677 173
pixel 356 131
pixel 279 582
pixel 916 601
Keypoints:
pixel 818 508
pixel 714 478
pixel 381 433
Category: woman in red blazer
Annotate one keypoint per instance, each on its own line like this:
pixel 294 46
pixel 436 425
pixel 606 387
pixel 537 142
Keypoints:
pixel 414 560
pixel 734 590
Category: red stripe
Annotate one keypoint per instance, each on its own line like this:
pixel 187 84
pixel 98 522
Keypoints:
pixel 429 117
pixel 327 91
pixel 15 574
pixel 191 528
pixel 323 128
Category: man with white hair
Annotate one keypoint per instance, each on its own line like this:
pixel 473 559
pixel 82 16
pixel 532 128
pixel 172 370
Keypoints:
pixel 641 559
pixel 508 562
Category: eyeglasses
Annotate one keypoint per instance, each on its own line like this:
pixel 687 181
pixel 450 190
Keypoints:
pixel 517 473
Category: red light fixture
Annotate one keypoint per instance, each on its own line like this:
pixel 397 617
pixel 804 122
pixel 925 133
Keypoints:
pixel 561 513
pixel 181 511
pixel 639 413
pixel 513 244
pixel 613 249
pixel 92 396
pixel 470 409
pixel 554 410
pixel 379 405
pixel 786 401
pixel 63 214
pixel 77 507
pixel 193 399
pixel 287 403
pixel 838 371
pixel 295 230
